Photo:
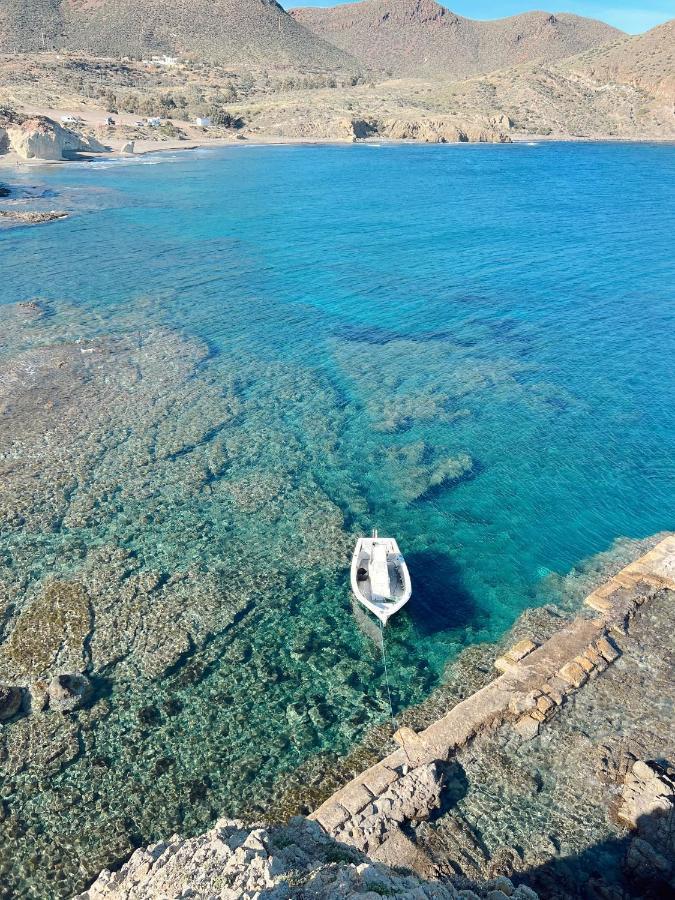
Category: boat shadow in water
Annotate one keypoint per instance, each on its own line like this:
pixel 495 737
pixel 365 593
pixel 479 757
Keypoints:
pixel 439 601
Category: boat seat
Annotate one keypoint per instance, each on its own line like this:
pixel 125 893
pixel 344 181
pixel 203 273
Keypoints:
pixel 379 572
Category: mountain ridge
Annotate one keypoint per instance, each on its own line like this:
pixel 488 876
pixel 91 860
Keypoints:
pixel 408 37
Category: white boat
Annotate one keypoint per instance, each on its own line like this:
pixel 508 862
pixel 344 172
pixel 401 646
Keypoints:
pixel 380 577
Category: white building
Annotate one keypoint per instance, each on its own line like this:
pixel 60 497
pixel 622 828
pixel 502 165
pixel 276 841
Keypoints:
pixel 204 121
pixel 161 61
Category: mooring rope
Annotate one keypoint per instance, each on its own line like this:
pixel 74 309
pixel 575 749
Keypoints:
pixel 391 705
pixel 386 678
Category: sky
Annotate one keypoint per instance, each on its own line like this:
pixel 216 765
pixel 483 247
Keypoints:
pixel 632 16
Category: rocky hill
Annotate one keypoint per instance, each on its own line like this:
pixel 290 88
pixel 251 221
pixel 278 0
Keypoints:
pixel 408 37
pixel 646 61
pixel 235 32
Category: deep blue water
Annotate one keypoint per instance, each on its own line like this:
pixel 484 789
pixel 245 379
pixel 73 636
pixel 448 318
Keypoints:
pixel 468 347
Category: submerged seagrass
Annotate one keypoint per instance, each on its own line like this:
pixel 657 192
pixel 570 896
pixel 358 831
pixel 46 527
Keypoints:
pixel 272 352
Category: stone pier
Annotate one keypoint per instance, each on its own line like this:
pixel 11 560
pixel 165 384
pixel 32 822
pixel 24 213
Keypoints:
pixel 535 682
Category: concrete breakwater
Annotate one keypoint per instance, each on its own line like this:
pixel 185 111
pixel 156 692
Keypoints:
pixel 373 812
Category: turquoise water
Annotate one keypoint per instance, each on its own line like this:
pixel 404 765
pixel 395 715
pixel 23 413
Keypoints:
pixel 470 348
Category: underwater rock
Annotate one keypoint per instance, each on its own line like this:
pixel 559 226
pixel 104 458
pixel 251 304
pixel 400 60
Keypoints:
pixel 418 469
pixel 23 217
pixel 10 701
pixel 68 692
pixel 50 632
pixel 39 696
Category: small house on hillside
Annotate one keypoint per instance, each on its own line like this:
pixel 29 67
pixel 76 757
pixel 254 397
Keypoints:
pixel 203 121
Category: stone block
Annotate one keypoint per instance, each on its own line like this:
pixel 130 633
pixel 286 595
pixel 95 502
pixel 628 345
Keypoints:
pixel 599 601
pixel 538 715
pixel 527 727
pixel 607 650
pixel 504 664
pixel 523 703
pixel 585 664
pixel 354 798
pixel 331 816
pixel 378 779
pixel 573 674
pixel 521 649
pixel 545 705
pixel 592 655
pixel 554 695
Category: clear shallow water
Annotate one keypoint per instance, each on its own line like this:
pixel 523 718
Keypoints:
pixel 468 347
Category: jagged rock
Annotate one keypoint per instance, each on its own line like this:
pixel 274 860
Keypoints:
pixel 440 131
pixel 412 797
pixel 644 864
pixel 68 692
pixel 10 701
pixel 294 861
pixel 647 792
pixel 128 147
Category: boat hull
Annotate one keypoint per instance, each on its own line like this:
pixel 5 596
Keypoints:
pixel 380 579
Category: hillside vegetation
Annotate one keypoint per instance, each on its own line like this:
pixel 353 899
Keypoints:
pixel 238 32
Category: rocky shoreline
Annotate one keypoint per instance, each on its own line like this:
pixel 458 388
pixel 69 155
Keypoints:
pixel 404 812
pixel 139 681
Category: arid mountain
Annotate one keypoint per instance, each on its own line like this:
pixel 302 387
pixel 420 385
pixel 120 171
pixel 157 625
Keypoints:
pixel 235 32
pixel 412 37
pixel 646 61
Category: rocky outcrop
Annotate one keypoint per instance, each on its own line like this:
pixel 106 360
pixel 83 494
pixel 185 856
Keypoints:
pixel 233 862
pixel 39 137
pixel 438 130
pixel 68 692
pixel 441 131
pixel 18 217
pixel 648 809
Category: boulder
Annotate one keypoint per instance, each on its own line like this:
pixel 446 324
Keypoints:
pixel 10 701
pixel 128 148
pixel 68 692
pixel 42 138
pixel 648 795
